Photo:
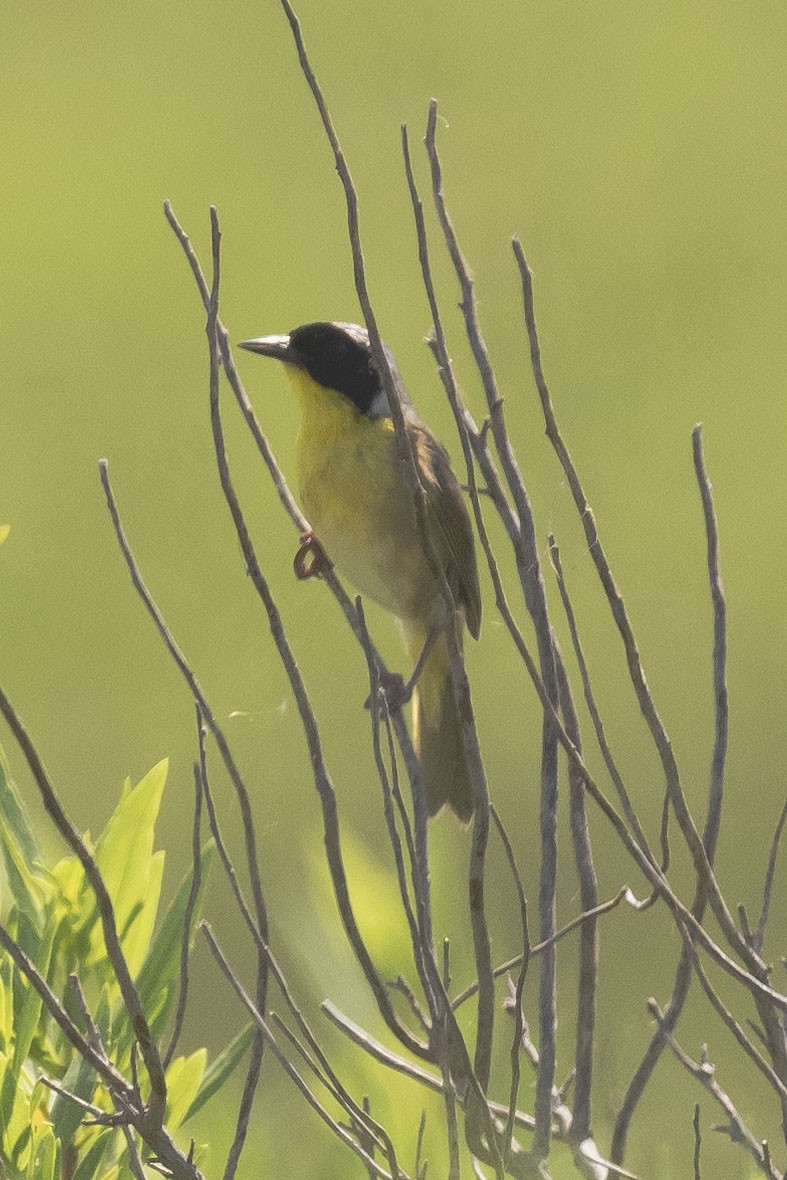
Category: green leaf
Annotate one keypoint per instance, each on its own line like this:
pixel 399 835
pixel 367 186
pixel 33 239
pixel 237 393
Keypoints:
pixel 221 1068
pixel 184 1077
pixel 27 886
pixel 98 1158
pixel 124 854
pixel 14 1115
pixel 5 529
pixel 13 809
pixel 66 1116
pixel 29 1014
pixel 44 1156
pixel 6 1016
pixel 69 876
pixel 160 972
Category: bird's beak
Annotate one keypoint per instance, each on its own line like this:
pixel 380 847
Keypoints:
pixel 275 346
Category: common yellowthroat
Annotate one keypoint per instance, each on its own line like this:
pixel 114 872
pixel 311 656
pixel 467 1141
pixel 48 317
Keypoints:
pixel 355 492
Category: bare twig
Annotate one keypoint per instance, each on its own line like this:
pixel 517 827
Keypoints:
pixel 255 1057
pixel 590 700
pixel 759 936
pixel 529 570
pixel 588 935
pixel 420 927
pixel 460 684
pixel 311 1039
pixel 338 1130
pixel 519 1019
pixel 193 685
pixel 680 987
pixel 429 1080
pixel 360 1117
pixel 100 1116
pixel 697 1142
pixel 191 901
pixel 538 948
pixel 485 1021
pixel 721 706
pixel 702 866
pixel 769 1073
pixel 705 1075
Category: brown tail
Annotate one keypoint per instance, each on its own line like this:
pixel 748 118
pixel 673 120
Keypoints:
pixel 437 733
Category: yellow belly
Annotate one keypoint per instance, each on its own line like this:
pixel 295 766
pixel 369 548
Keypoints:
pixel 356 498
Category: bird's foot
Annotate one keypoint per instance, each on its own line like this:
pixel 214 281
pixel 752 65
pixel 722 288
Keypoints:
pixel 395 689
pixel 311 560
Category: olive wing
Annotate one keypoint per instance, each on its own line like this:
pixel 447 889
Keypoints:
pixel 452 530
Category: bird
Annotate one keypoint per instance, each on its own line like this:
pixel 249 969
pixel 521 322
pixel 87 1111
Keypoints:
pixel 356 493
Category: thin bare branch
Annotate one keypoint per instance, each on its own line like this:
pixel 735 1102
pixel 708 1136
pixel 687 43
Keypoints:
pixel 769 1073
pixel 721 705
pixel 519 1018
pixel 191 901
pixel 465 426
pixel 702 866
pixel 99 1115
pixel 255 1057
pixel 420 927
pixel 680 987
pixel 625 799
pixel 432 1082
pixel 762 921
pixel 697 1143
pixel 603 907
pixel 460 685
pixel 705 1075
pixel 276 971
pixel 588 935
pixel 529 570
pixel 338 1130
pixel 190 678
pixel 360 1117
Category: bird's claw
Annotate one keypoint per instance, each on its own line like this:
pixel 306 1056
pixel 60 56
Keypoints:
pixel 396 691
pixel 311 560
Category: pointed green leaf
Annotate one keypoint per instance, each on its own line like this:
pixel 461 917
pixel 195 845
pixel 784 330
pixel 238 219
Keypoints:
pixel 6 1016
pixel 124 853
pixel 98 1158
pixel 14 1116
pixel 139 928
pixel 13 809
pixel 43 1163
pixel 5 529
pixel 184 1077
pixel 66 1116
pixel 157 981
pixel 27 884
pixel 30 1012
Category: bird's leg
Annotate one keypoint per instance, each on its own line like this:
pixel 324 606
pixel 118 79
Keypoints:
pixel 311 560
pixel 398 691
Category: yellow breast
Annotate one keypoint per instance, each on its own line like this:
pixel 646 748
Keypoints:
pixel 355 496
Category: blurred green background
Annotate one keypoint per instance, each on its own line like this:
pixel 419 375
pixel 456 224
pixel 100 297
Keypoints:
pixel 639 152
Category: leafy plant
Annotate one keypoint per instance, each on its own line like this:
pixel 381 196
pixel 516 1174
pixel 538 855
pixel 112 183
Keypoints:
pixel 57 1114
